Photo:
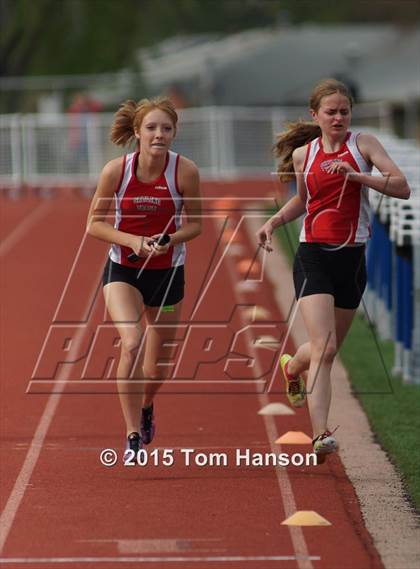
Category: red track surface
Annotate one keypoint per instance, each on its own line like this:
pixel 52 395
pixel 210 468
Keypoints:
pixel 71 511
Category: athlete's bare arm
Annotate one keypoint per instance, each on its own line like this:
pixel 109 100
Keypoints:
pixel 97 226
pixel 292 209
pixel 392 183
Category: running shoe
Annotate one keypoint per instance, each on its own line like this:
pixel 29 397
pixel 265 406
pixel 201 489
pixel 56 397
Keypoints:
pixel 134 443
pixel 147 424
pixel 323 445
pixel 296 393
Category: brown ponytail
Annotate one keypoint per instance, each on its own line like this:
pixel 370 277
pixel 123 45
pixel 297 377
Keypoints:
pixel 131 114
pixel 297 134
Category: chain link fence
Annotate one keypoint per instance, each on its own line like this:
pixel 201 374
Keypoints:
pixel 225 142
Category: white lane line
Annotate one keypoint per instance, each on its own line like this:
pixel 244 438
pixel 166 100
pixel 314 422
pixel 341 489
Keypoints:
pixel 286 492
pixel 23 228
pixel 178 546
pixel 175 559
pixel 9 513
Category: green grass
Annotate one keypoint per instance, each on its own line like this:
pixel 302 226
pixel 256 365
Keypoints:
pixel 392 408
pixel 288 235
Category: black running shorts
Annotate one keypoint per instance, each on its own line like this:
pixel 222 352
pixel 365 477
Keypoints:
pixel 325 269
pixel 158 287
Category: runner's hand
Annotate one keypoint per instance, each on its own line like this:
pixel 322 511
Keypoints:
pixel 142 246
pixel 341 167
pixel 264 236
pixel 159 249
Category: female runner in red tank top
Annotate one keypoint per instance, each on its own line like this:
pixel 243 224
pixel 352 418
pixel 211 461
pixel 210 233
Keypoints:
pixel 332 168
pixel 145 270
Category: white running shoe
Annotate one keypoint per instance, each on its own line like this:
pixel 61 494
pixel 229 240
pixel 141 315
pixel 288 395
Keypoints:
pixel 324 444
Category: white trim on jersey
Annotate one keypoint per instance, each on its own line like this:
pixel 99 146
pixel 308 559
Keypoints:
pixel 313 151
pixel 362 231
pixel 179 252
pixel 314 147
pixel 115 251
pixel 357 155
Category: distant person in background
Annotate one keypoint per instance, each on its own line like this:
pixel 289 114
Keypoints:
pixel 144 274
pixel 78 129
pixel 177 96
pixel 332 167
pixel 83 103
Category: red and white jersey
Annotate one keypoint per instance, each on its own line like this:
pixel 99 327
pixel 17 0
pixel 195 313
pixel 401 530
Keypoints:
pixel 147 209
pixel 337 208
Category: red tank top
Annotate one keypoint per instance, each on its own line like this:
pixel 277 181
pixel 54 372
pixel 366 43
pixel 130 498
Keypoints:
pixel 337 209
pixel 146 209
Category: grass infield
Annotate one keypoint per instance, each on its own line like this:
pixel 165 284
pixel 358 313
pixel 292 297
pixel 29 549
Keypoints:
pixel 392 407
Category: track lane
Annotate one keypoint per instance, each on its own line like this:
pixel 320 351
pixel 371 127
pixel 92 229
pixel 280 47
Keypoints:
pixel 232 497
pixel 34 272
pixel 50 470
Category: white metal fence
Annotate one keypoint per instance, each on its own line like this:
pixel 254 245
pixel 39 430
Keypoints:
pixel 224 142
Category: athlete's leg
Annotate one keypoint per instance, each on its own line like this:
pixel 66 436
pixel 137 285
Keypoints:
pixel 161 330
pixel 319 318
pixel 124 304
pixel 343 320
pixel 302 358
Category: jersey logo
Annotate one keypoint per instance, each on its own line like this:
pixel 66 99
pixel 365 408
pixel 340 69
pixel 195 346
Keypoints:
pixel 146 203
pixel 161 188
pixel 342 154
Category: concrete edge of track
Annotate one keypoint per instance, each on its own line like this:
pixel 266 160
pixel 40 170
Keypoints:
pixel 388 516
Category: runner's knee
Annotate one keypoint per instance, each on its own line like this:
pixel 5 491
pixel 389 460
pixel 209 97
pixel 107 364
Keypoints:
pixel 151 371
pixel 130 343
pixel 322 352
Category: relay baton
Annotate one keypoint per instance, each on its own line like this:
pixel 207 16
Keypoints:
pixel 162 240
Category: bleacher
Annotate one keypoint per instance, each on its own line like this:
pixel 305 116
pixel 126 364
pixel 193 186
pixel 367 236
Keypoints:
pixel 392 298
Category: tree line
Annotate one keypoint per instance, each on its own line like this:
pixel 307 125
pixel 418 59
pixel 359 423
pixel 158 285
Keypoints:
pixel 95 36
